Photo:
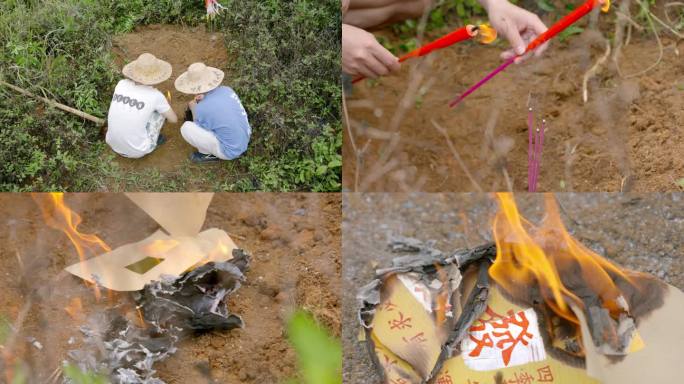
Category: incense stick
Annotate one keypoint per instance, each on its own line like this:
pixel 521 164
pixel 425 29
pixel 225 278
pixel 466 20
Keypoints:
pixel 535 148
pixel 481 82
pixel 530 124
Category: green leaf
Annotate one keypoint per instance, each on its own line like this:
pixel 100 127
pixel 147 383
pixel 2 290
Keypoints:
pixel 80 377
pixel 545 5
pixel 320 355
pixel 4 329
pixel 569 31
pixel 680 182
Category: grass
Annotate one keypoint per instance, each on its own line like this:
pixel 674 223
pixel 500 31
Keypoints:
pixel 319 354
pixel 286 71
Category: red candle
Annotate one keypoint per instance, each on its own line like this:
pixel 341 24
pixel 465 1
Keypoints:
pixel 486 34
pixel 454 37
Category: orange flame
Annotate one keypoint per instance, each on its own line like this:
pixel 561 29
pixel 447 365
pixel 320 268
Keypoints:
pixel 75 309
pixel 160 247
pixel 486 34
pixel 59 216
pixel 529 256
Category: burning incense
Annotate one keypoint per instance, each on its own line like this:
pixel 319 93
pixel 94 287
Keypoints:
pixel 530 125
pixel 486 35
pixel 555 29
pixel 534 151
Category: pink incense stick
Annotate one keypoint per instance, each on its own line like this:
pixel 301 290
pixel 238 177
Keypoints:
pixel 539 154
pixel 530 125
pixel 535 168
pixel 472 89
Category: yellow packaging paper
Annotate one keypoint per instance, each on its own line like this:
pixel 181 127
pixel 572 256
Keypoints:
pixel 397 371
pixel 402 325
pixel 526 363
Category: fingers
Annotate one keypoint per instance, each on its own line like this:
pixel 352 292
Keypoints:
pixel 363 54
pixel 538 27
pixel 387 59
pixel 513 36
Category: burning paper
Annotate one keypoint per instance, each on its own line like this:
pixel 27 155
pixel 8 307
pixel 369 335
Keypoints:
pixel 180 214
pixel 131 266
pixel 181 281
pixel 535 306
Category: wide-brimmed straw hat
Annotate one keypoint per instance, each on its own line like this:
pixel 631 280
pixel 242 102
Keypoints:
pixel 147 70
pixel 199 79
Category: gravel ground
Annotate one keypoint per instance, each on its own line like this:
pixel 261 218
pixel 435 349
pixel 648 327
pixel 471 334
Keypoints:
pixel 639 232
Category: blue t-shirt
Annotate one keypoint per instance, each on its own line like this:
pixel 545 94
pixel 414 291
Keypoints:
pixel 221 112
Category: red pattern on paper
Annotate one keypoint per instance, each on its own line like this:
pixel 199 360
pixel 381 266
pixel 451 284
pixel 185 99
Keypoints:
pixel 388 363
pixel 389 306
pixel 400 323
pixel 444 378
pixel 523 378
pixel 418 338
pixel 545 375
pixel 506 342
pixel 486 341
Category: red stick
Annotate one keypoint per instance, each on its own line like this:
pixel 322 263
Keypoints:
pixel 456 36
pixel 563 23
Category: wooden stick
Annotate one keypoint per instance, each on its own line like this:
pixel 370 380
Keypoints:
pixel 100 122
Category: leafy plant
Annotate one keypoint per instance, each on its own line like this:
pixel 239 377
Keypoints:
pixel 320 355
pixel 286 70
pixel 77 376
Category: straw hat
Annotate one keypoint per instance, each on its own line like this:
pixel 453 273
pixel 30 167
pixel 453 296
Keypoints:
pixel 147 70
pixel 199 79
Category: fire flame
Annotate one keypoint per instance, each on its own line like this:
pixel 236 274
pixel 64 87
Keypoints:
pixel 160 247
pixel 486 34
pixel 59 216
pixel 548 257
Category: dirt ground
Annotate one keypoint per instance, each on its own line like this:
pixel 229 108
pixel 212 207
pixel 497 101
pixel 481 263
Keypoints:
pixel 638 231
pixel 627 137
pixel 294 240
pixel 180 46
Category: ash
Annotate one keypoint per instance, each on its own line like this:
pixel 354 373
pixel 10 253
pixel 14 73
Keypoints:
pixel 174 308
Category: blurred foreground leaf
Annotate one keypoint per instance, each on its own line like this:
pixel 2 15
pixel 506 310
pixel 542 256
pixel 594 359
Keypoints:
pixel 320 355
pixel 4 329
pixel 79 377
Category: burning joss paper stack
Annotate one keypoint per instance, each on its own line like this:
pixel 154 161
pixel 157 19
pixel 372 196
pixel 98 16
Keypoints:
pixel 179 281
pixel 535 306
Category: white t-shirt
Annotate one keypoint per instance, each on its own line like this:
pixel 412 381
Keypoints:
pixel 131 108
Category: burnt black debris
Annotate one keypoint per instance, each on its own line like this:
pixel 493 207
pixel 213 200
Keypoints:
pixel 197 300
pixel 174 308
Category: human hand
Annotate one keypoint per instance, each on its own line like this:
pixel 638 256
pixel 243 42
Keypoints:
pixel 363 55
pixel 519 27
pixel 198 98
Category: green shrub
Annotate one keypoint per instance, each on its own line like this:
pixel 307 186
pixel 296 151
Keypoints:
pixel 285 68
